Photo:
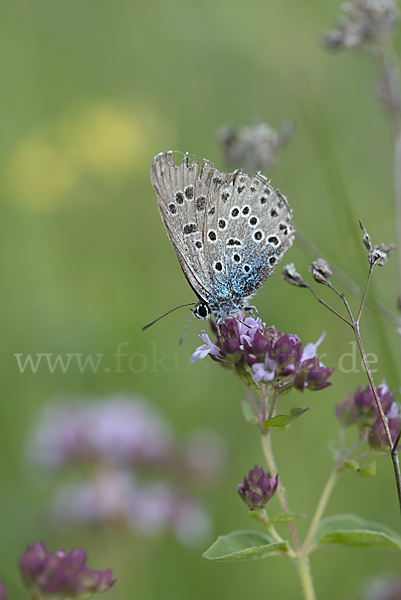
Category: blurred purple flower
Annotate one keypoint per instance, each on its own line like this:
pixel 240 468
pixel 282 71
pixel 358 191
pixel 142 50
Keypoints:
pixel 263 354
pixel 361 408
pixel 387 587
pixel 158 507
pixel 346 411
pixel 107 499
pixel 150 509
pixel 191 524
pixel 3 592
pixel 366 403
pixel 393 416
pixel 120 430
pixel 61 575
pixel 204 452
pixel 257 488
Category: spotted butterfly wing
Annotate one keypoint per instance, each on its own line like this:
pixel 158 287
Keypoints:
pixel 248 232
pixel 228 231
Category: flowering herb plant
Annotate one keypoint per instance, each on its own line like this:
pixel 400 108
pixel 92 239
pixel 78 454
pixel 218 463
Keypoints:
pixel 271 364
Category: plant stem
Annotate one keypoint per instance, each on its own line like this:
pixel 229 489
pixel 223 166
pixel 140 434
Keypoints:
pixel 263 518
pixel 372 383
pixel 327 305
pixel 365 292
pixel 393 447
pixel 324 498
pixel 300 559
pixel 354 324
pixel 305 577
pixel 273 403
pixel 267 449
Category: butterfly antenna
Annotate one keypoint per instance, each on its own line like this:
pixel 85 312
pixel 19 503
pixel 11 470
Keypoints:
pixel 167 313
pixel 186 329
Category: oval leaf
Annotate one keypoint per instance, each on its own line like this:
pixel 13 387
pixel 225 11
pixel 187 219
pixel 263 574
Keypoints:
pixel 284 421
pixel 368 470
pixel 352 465
pixel 352 531
pixel 244 545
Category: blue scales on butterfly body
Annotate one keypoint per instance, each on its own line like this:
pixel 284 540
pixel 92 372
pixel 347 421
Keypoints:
pixel 229 231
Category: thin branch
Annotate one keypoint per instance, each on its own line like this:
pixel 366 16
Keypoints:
pixel 365 293
pixel 355 326
pixel 327 306
pixel 312 251
pixel 372 385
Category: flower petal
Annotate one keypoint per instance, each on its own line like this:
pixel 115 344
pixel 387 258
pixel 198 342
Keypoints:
pixel 309 351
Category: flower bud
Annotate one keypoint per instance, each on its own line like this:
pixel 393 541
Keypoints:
pixel 257 488
pixel 346 411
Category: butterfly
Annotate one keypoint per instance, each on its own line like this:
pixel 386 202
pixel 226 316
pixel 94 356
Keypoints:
pixel 228 231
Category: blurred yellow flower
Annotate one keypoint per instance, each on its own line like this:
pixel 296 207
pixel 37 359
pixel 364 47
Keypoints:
pixel 38 174
pixel 104 140
pixel 100 140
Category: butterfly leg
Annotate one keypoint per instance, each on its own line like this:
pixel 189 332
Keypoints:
pixel 251 309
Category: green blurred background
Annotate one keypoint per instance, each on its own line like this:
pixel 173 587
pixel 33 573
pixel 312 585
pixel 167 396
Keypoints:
pixel 91 90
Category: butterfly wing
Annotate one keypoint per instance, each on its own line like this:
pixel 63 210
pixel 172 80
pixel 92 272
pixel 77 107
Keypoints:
pixel 246 233
pixel 183 198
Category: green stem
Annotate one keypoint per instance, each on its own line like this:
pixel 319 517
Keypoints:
pixel 273 403
pixel 263 518
pixel 297 555
pixel 320 509
pixel 305 577
pixel 267 449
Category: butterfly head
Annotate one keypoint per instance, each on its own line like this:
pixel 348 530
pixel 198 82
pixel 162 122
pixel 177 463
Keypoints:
pixel 201 310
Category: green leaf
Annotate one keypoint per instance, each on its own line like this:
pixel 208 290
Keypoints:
pixel 286 517
pixel 352 531
pixel 368 470
pixel 248 412
pixel 284 421
pixel 244 545
pixel 352 465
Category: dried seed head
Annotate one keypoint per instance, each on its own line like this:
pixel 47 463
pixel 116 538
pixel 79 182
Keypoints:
pixel 364 22
pixel 254 146
pixel 378 254
pixel 321 271
pixel 366 237
pixel 290 275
